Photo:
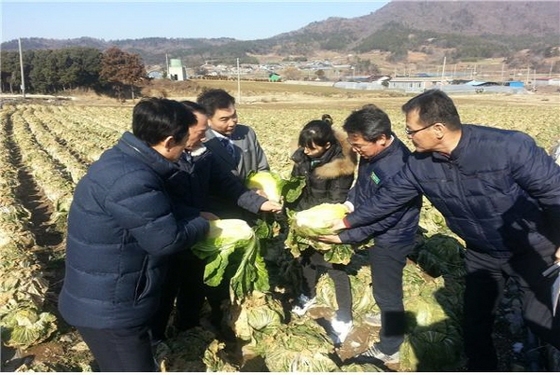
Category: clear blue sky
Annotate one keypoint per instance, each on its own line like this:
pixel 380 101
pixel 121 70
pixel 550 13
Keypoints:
pixel 112 20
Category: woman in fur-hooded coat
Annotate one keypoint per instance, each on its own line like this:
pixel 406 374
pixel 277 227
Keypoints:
pixel 329 177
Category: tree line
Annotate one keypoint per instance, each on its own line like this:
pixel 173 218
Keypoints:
pixel 113 72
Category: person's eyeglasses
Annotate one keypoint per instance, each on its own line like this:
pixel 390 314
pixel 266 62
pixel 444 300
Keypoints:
pixel 412 132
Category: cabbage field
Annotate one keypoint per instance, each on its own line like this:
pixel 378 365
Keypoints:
pixel 47 148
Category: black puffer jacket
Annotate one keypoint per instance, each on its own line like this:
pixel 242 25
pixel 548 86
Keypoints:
pixel 327 178
pixel 203 176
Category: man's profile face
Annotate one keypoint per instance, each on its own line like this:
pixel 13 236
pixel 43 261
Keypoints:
pixel 224 120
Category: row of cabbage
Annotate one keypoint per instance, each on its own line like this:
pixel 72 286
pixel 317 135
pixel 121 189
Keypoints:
pixel 23 286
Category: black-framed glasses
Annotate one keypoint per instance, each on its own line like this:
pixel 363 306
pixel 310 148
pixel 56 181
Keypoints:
pixel 412 132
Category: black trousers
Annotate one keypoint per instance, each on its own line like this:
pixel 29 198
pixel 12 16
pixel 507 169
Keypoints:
pixel 118 350
pixel 314 265
pixel 184 284
pixel 387 263
pixel 485 281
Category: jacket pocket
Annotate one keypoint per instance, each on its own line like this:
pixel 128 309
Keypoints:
pixel 144 282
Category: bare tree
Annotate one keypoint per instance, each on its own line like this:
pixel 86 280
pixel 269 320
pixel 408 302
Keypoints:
pixel 122 69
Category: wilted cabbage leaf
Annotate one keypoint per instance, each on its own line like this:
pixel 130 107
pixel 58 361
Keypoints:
pixel 26 327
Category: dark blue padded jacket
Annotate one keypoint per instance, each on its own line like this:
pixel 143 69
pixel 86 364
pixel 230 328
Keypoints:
pixel 497 190
pixel 121 229
pixel 400 226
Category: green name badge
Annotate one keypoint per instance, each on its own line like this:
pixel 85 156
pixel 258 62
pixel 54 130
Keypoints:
pixel 375 178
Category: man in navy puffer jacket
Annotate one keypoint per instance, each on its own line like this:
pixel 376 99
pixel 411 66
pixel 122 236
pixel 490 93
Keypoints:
pixel 498 191
pixel 121 229
pixel 382 155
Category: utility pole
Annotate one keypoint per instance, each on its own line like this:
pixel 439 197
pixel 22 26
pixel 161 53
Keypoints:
pixel 443 69
pixel 21 66
pixel 238 84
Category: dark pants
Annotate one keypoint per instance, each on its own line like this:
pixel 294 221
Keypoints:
pixel 485 281
pixel 118 350
pixel 314 265
pixel 184 284
pixel 387 263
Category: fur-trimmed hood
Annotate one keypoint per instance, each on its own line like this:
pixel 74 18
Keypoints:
pixel 337 167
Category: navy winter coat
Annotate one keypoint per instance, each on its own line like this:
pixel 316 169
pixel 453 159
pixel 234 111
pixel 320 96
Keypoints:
pixel 400 226
pixel 497 190
pixel 121 230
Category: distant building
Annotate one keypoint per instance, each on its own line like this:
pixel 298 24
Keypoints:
pixel 155 74
pixel 273 77
pixel 410 84
pixel 177 71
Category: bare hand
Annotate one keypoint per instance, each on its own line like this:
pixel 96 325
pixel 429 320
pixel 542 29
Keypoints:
pixel 329 238
pixel 557 255
pixel 261 193
pixel 208 215
pixel 271 206
pixel 337 225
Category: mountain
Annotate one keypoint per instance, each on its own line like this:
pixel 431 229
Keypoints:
pixel 537 18
pixel 469 29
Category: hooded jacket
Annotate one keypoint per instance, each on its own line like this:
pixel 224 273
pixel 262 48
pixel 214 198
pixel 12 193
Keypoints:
pixel 328 178
pixel 121 229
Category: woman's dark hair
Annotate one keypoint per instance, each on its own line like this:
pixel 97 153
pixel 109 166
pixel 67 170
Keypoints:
pixel 370 122
pixel 317 132
pixel 154 119
pixel 434 106
pixel 214 99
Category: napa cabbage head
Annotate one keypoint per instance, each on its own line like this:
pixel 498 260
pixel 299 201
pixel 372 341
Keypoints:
pixel 268 182
pixel 224 237
pixel 318 219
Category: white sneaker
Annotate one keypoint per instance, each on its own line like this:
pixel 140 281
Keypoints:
pixel 341 329
pixel 304 304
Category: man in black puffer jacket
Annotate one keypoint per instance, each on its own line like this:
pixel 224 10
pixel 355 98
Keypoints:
pixel 498 191
pixel 122 227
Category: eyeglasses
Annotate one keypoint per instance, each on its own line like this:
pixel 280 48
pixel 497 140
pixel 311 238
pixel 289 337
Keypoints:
pixel 412 132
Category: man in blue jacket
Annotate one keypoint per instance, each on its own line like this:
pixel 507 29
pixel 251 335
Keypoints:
pixel 498 191
pixel 382 155
pixel 122 227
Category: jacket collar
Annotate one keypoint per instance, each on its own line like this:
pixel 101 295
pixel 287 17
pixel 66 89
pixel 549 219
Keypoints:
pixel 138 149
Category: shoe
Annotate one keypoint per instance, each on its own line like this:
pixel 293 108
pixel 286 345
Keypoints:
pixel 341 329
pixel 373 354
pixel 373 320
pixel 304 304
